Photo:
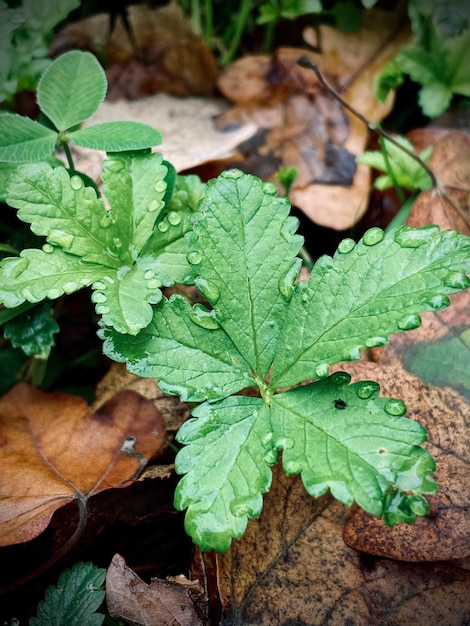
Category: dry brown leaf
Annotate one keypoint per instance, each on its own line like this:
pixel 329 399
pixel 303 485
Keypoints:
pixel 292 568
pixel 307 128
pixel 172 602
pixel 54 450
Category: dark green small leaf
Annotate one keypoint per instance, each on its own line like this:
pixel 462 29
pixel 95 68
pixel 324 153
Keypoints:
pixel 33 331
pixel 116 136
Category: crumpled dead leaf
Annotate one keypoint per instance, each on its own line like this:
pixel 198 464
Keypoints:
pixel 304 126
pixel 55 450
pixel 176 601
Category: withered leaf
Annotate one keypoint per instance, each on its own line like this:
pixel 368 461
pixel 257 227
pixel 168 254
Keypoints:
pixel 172 602
pixel 54 450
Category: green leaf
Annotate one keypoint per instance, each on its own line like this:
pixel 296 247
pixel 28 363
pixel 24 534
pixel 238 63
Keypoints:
pixel 22 139
pixel 33 331
pixel 365 293
pixel 36 275
pixel 44 16
pixel 345 439
pixel 75 599
pixel 186 350
pixel 137 183
pixel 66 212
pixel 116 136
pixel 225 469
pixel 232 245
pixel 71 89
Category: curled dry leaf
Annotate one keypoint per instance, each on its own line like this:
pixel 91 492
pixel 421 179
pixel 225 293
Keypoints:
pixel 306 128
pixel 54 450
pixel 173 602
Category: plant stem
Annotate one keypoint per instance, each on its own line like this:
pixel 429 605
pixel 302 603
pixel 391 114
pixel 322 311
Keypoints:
pixel 390 172
pixel 239 27
pixel 209 22
pixel 68 154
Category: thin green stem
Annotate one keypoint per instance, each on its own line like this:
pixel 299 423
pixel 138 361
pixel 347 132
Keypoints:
pixel 68 153
pixel 240 24
pixel 209 22
pixel 390 172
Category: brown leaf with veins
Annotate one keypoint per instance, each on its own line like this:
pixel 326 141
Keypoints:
pixel 171 602
pixel 54 450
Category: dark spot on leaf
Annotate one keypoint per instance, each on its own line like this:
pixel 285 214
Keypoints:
pixel 339 404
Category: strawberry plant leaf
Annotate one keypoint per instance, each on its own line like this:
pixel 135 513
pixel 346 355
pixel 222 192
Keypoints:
pixel 33 331
pixel 365 451
pixel 75 600
pixel 223 484
pixel 23 139
pixel 186 349
pixel 116 136
pixel 71 89
pixel 232 245
pixel 366 292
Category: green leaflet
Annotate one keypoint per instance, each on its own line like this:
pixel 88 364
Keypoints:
pixel 116 136
pixel 225 469
pixel 22 139
pixel 365 293
pixel 33 331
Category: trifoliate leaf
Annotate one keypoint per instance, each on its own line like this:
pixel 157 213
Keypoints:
pixel 135 187
pixel 75 599
pixel 36 275
pixel 71 89
pixel 243 252
pixel 65 211
pixel 226 472
pixel 33 331
pixel 23 139
pixel 186 350
pixel 187 193
pixel 345 439
pixel 116 136
pixel 365 293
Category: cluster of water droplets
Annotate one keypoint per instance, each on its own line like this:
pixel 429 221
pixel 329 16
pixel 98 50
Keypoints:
pixel 172 218
pixel 99 296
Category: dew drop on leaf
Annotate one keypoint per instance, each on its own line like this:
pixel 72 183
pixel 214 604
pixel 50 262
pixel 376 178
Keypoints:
pixel 346 245
pixel 160 186
pixel 99 285
pixel 173 218
pixel 291 467
pixel 208 290
pixel 203 317
pixel 47 248
pixel 408 237
pixel 148 274
pixel 163 226
pixel 84 281
pixel 62 239
pixel 109 280
pixel 266 439
pixel 70 287
pixel 367 389
pixel 286 281
pixel 322 370
pixel 352 354
pixel 233 174
pixel 457 280
pixel 374 342
pixel 154 283
pixel 106 221
pixel 153 206
pixel 409 322
pixel 439 301
pixel 117 243
pixel 114 166
pixel 270 457
pixel 102 309
pixel 341 378
pixel 76 183
pixel 52 294
pixel 270 189
pixel 98 296
pixel 194 257
pixel 27 294
pixel 419 505
pixel 373 236
pixel 283 443
pixel 395 407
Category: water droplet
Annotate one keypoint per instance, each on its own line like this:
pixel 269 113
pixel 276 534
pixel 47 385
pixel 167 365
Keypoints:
pixel 106 221
pixel 286 281
pixel 270 457
pixel 53 293
pixel 114 166
pixel 395 407
pixel 283 443
pixel 409 322
pixel 117 243
pixel 374 342
pixel 408 237
pixel 439 301
pixel 149 274
pixel 76 183
pixel 84 281
pixel 163 226
pixel 174 218
pixel 209 291
pixel 457 280
pixel 373 236
pixel 322 370
pixel 47 248
pixel 109 280
pixel 346 245
pixel 160 186
pixel 233 174
pixel 194 257
pixel 153 205
pixel 62 239
pixel 27 294
pixel 270 189
pixel 340 378
pixel 289 228
pixel 70 287
pixel 367 389
pixel 266 439
pixel 98 297
pixel 419 505
pixel 291 467
pixel 203 317
pixel 99 285
pixel 352 354
pixel 154 283
pixel 102 309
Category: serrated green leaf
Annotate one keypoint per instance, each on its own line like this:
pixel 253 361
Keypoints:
pixel 22 139
pixel 116 136
pixel 224 467
pixel 33 331
pixel 36 275
pixel 71 89
pixel 66 212
pixel 75 599
pixel 187 193
pixel 242 222
pixel 365 293
pixel 345 439
pixel 135 187
pixel 186 350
